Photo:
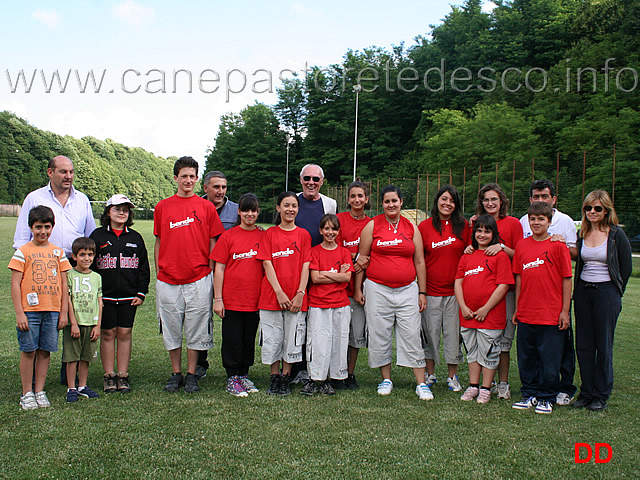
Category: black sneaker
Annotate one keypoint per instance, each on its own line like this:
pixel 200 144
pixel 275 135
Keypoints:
pixel 110 384
pixel 201 372
pixel 351 383
pixel 327 388
pixel 285 389
pixel 338 384
pixel 310 388
pixel 191 383
pixel 175 382
pixel 123 383
pixel 274 387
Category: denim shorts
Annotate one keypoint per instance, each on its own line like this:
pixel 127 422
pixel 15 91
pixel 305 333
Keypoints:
pixel 42 333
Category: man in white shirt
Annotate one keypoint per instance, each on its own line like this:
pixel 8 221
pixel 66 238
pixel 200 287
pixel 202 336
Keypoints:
pixel 562 229
pixel 72 209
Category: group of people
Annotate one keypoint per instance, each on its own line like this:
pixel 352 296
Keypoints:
pixel 69 275
pixel 321 285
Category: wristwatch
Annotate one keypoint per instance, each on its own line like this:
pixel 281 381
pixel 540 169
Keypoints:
pixel 503 246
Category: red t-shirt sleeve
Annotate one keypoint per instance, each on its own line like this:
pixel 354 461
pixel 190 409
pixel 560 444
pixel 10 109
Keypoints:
pixel 504 275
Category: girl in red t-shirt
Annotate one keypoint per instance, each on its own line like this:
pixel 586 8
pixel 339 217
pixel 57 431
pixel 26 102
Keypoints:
pixel 285 252
pixel 236 283
pixel 493 201
pixel 329 312
pixel 351 224
pixel 480 287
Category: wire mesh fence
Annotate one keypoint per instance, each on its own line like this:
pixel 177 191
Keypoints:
pixel 574 176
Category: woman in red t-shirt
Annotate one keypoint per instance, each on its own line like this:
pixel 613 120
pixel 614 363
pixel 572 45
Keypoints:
pixel 393 298
pixel 493 201
pixel 236 283
pixel 444 235
pixel 351 224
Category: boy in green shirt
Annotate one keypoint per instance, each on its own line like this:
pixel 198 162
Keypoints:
pixel 80 338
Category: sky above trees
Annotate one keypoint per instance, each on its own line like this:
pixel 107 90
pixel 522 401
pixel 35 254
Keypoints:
pixel 121 41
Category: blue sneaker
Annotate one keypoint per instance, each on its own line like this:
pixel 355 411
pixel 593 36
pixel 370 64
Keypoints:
pixel 431 380
pixel 72 395
pixel 86 392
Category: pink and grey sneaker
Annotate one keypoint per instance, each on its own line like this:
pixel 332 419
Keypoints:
pixel 469 394
pixel 484 395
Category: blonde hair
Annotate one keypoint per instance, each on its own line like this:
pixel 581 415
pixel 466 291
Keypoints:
pixel 610 217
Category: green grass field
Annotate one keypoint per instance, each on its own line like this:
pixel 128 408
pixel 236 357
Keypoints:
pixel 152 434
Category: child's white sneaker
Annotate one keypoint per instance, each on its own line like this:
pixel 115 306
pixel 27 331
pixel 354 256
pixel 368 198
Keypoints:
pixel 28 401
pixel 525 403
pixel 504 391
pixel 563 399
pixel 454 383
pixel 42 400
pixel 424 392
pixel 385 387
pixel 544 407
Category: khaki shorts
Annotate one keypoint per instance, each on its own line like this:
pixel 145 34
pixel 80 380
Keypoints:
pixel 393 309
pixel 79 349
pixel 509 332
pixel 186 306
pixel 441 317
pixel 358 327
pixel 327 342
pixel 282 335
pixel 483 346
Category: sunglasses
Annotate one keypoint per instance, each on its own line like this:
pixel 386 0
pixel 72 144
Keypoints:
pixel 308 178
pixel 597 208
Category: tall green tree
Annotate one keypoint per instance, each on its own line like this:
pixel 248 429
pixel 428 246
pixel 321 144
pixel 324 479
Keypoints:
pixel 250 149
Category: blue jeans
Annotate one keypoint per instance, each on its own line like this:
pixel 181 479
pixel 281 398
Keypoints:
pixel 42 333
pixel 539 357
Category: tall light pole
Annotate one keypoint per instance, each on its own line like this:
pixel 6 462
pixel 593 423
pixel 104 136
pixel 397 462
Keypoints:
pixel 286 178
pixel 356 88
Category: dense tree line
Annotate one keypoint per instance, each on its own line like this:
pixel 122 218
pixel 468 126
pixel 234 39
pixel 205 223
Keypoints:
pixel 534 79
pixel 102 167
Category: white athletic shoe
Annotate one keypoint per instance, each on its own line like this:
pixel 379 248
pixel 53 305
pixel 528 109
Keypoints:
pixel 431 380
pixel 454 383
pixel 28 401
pixel 423 392
pixel 563 399
pixel 504 391
pixel 385 387
pixel 544 407
pixel 42 400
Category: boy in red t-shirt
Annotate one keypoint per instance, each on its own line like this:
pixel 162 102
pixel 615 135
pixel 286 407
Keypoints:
pixel 185 227
pixel 542 270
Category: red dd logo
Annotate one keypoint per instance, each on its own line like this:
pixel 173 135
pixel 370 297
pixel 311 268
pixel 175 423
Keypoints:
pixel 594 452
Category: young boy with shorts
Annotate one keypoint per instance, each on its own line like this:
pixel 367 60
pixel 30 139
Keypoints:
pixel 186 227
pixel 80 337
pixel 40 299
pixel 542 270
